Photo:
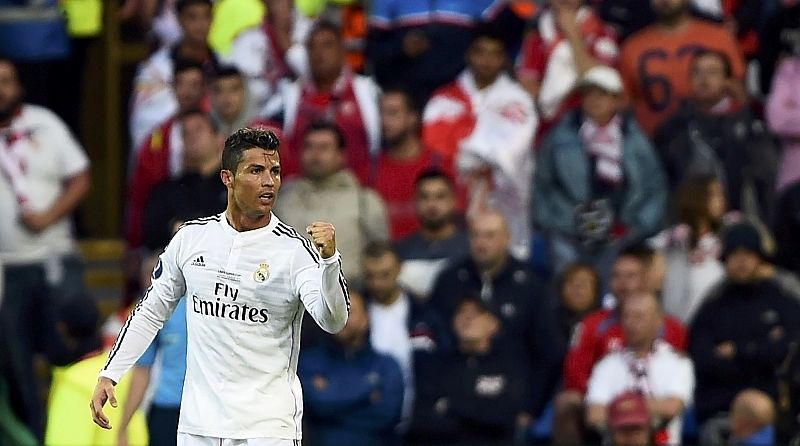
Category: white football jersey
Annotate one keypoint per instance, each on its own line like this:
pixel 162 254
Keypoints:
pixel 246 293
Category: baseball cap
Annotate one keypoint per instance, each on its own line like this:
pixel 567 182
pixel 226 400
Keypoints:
pixel 603 77
pixel 627 410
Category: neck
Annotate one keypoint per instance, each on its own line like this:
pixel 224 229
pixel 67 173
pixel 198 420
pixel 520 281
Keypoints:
pixel 707 105
pixel 410 147
pixel 394 296
pixel 602 121
pixel 440 233
pixel 494 269
pixel 483 83
pixel 354 346
pixel 325 84
pixel 642 350
pixel 241 222
pixel 676 24
pixel 193 50
pixel 475 346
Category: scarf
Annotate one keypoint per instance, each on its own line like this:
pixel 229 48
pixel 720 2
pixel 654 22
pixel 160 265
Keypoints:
pixel 605 145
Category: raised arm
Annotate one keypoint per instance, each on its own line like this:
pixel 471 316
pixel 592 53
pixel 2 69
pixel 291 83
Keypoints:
pixel 319 280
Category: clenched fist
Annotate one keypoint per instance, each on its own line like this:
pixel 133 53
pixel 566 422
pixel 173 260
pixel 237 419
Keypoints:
pixel 324 237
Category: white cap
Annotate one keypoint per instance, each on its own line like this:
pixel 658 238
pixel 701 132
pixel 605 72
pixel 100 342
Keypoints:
pixel 603 77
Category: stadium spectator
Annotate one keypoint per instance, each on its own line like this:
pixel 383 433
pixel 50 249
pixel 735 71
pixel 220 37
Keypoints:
pixel 401 327
pixel 512 291
pixel 477 394
pixel 44 176
pixel 629 421
pixel 600 333
pixel 692 247
pixel 783 117
pixel 712 133
pixel 78 323
pixel 739 17
pixel 441 238
pixel 655 61
pixel 743 330
pixel 482 125
pixel 329 191
pixel 332 93
pixel 568 40
pixel 579 293
pixel 196 192
pixel 420 44
pixel 779 39
pixel 646 365
pixel 272 50
pixel 752 418
pixel 353 395
pixel 598 183
pixel 161 154
pixel 232 106
pixel 626 17
pixel 153 101
pixel 402 160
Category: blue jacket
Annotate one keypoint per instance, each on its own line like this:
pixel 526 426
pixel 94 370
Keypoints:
pixel 563 176
pixel 33 33
pixel 361 400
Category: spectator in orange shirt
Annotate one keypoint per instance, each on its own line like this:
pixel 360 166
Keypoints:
pixel 655 61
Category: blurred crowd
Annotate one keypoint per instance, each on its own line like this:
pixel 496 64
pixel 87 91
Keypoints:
pixel 562 222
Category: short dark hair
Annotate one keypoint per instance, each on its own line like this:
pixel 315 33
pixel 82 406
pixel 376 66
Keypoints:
pixel 198 112
pixel 726 61
pixel 183 64
pixel 489 31
pixel 639 251
pixel 375 249
pixel 244 139
pixel 324 26
pixel 327 126
pixel 411 103
pixel 433 173
pixel 181 5
pixel 574 268
pixel 227 71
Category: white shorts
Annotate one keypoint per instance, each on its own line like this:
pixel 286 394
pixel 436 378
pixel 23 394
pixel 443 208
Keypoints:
pixel 198 440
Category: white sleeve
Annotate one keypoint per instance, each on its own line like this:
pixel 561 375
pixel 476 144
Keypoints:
pixel 167 288
pixel 73 159
pixel 680 381
pixel 602 388
pixel 322 288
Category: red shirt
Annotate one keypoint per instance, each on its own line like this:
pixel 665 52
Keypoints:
pixel 394 181
pixel 600 333
pixel 340 106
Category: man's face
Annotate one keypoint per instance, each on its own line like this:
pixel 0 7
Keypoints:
pixel 627 277
pixel 380 276
pixel 10 90
pixel 195 21
pixel 357 322
pixel 435 203
pixel 742 265
pixel 669 10
pixel 228 96
pixel 488 239
pixel 486 59
pixel 397 121
pixel 599 104
pixel 256 182
pixel 189 89
pixel 709 79
pixel 200 140
pixel 325 55
pixel 569 5
pixel 472 323
pixel 322 156
pixel 640 319
pixel 631 436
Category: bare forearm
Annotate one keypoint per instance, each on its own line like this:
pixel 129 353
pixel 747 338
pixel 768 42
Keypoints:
pixel 596 416
pixel 140 379
pixel 77 188
pixel 665 409
pixel 583 59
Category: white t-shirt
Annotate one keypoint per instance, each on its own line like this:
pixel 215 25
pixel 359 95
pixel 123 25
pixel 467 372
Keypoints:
pixel 246 293
pixel 668 375
pixel 37 154
pixel 389 335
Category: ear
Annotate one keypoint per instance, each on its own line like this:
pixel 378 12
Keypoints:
pixel 227 178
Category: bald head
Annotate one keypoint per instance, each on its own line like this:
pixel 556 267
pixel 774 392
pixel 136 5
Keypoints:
pixel 751 411
pixel 489 239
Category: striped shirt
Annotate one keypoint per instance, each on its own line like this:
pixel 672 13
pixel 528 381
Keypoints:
pixel 245 296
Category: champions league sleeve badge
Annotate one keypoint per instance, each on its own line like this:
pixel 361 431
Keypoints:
pixel 262 273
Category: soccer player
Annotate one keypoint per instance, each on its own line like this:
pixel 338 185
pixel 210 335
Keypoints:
pixel 247 278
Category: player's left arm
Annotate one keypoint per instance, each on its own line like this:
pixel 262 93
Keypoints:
pixel 319 280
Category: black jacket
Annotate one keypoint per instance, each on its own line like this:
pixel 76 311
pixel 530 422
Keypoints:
pixel 522 303
pixel 761 321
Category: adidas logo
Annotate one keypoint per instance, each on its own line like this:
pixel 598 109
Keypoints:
pixel 199 262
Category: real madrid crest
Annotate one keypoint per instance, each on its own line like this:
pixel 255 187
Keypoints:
pixel 262 273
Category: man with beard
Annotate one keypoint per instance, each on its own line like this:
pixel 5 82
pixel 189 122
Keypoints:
pixel 44 176
pixel 655 61
pixel 440 239
pixel 403 159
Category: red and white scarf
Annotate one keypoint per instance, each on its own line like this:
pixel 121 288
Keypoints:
pixel 13 142
pixel 605 144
